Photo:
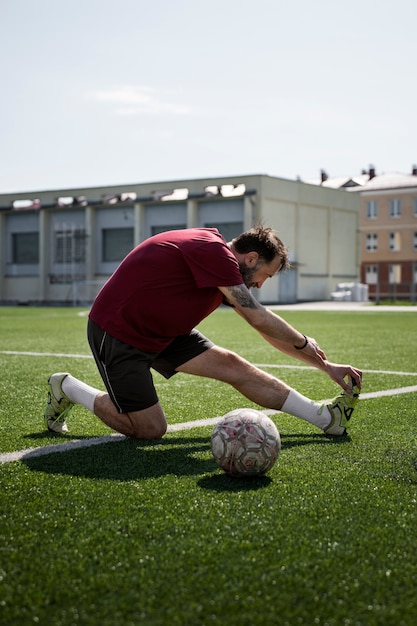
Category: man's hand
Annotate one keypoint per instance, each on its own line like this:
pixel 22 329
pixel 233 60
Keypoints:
pixel 338 373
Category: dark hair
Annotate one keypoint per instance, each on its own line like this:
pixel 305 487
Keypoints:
pixel 265 242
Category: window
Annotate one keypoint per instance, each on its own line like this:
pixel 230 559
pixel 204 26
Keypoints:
pixel 229 230
pixel 371 274
pixel 395 242
pixel 371 242
pixel 415 240
pixel 70 246
pixel 395 208
pixel 415 207
pixel 371 210
pixel 394 274
pixel 25 248
pixel 155 230
pixel 117 243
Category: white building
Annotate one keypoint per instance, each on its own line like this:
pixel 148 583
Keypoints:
pixel 59 246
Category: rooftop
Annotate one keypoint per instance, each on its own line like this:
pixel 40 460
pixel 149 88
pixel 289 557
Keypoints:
pixel 368 180
pixel 389 181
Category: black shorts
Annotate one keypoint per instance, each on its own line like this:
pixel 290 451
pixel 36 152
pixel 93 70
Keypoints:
pixel 126 370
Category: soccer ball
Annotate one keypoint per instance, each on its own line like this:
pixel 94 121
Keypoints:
pixel 245 442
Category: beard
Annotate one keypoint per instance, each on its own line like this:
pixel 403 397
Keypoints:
pixel 247 274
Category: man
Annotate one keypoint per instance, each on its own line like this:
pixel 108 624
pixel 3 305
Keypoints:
pixel 145 316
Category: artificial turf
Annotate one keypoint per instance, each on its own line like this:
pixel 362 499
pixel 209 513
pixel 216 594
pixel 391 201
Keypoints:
pixel 134 532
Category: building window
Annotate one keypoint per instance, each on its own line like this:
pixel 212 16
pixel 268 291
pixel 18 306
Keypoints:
pixel 415 240
pixel 70 246
pixel 395 242
pixel 394 274
pixel 395 208
pixel 371 210
pixel 25 248
pixel 155 230
pixel 371 274
pixel 415 207
pixel 229 230
pixel 117 243
pixel 371 242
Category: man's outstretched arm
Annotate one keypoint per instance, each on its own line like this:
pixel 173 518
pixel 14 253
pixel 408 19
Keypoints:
pixel 285 337
pixel 269 324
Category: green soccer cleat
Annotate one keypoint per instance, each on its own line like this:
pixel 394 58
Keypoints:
pixel 58 405
pixel 341 409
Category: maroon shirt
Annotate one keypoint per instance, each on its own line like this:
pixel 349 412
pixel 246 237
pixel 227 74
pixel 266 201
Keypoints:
pixel 165 287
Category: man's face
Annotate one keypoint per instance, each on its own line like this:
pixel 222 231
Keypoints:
pixel 255 274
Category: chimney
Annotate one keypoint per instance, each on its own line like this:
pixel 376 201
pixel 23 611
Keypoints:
pixel 414 170
pixel 323 176
pixel 371 172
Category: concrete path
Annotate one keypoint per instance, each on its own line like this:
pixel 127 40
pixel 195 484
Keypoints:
pixel 331 305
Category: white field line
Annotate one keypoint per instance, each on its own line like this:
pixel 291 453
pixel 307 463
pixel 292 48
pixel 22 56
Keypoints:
pixel 8 457
pixel 308 367
pixel 260 365
pixel 60 354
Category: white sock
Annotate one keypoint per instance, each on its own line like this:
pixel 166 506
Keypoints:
pixel 79 392
pixel 313 412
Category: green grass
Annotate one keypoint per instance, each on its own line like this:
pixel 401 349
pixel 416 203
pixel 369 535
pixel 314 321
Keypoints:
pixel 396 302
pixel 152 533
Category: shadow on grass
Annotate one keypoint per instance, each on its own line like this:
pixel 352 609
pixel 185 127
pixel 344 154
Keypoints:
pixel 295 440
pixel 225 482
pixel 133 459
pixel 289 440
pixel 55 437
pixel 128 459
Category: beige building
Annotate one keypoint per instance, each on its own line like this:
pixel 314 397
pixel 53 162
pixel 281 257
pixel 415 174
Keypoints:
pixel 389 236
pixel 59 246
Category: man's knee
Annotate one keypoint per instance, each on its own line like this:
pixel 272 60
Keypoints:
pixel 148 424
pixel 149 431
pixel 236 363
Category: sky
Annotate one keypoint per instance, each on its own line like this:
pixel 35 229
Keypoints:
pixel 112 92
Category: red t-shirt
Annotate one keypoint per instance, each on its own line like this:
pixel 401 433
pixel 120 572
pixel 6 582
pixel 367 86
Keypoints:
pixel 165 287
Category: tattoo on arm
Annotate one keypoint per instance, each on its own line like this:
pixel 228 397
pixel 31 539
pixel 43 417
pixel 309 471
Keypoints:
pixel 244 298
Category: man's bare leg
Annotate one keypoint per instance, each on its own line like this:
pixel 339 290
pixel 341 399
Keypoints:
pixel 229 367
pixel 146 424
pixel 256 385
pixel 65 391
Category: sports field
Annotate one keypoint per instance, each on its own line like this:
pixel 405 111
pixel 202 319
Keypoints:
pixel 125 532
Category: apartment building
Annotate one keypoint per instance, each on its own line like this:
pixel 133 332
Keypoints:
pixel 388 230
pixel 389 236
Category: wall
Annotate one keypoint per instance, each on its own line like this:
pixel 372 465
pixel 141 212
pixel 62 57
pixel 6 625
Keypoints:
pixel 320 228
pixel 318 225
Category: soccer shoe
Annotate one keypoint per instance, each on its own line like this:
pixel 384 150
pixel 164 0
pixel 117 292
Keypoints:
pixel 341 409
pixel 58 405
